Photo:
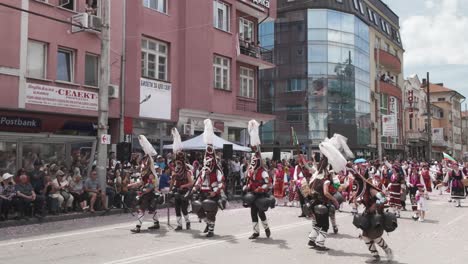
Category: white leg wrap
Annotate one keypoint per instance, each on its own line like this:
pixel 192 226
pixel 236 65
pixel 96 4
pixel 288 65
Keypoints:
pixel 179 221
pixel 265 224
pixel 187 219
pixel 381 242
pixel 314 233
pixel 371 246
pixel 141 216
pixel 155 216
pixel 320 240
pixel 256 228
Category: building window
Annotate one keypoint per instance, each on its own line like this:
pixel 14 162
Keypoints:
pixel 296 85
pixel 339 1
pixel 68 4
pixel 369 12
pixel 294 113
pixel 387 47
pixel 361 8
pixel 247 81
pixel 65 65
pixel 91 70
pixel 246 29
pixel 158 5
pixel 377 42
pixel 375 18
pixel 387 28
pixel 356 4
pixel 442 99
pixel 222 70
pixel 221 15
pixel 37 54
pixel 154 57
pixel 411 123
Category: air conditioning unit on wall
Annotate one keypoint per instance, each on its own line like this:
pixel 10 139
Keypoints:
pixel 113 91
pixel 86 22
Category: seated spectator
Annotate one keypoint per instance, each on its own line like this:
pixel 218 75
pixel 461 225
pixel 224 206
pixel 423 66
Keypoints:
pixel 7 193
pixel 111 185
pixel 52 195
pixel 94 191
pixel 164 179
pixel 65 199
pixel 124 188
pixel 26 198
pixel 77 190
pixel 36 178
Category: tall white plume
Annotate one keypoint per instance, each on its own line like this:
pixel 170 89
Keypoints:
pixel 177 145
pixel 335 158
pixel 253 132
pixel 146 146
pixel 343 147
pixel 208 134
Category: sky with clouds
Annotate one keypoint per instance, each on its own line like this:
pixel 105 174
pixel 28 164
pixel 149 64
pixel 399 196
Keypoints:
pixel 435 38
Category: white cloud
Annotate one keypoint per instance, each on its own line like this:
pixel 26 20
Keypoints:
pixel 429 4
pixel 438 38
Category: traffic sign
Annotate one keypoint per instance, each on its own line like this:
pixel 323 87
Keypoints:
pixel 106 139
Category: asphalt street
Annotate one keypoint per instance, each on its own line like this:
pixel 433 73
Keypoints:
pixel 442 238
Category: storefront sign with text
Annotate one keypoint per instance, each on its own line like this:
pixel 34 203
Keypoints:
pixel 265 3
pixel 39 94
pixel 19 122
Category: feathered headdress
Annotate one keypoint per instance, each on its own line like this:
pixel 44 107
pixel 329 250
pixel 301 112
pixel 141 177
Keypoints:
pixel 335 158
pixel 253 132
pixel 177 145
pixel 208 134
pixel 340 143
pixel 146 146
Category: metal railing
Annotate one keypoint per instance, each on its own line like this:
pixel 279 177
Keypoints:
pixel 251 49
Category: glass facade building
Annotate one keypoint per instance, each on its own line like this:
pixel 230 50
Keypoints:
pixel 321 84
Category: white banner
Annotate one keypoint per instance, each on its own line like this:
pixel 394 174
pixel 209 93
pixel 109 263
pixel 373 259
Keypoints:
pixel 155 99
pixel 393 105
pixel 39 94
pixel 438 134
pixel 389 126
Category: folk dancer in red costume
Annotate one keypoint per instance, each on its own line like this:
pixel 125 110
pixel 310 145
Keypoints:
pixel 210 183
pixel 457 189
pixel 303 170
pixel 394 189
pixel 426 176
pixel 279 184
pixel 147 185
pixel 181 181
pixel 257 185
pixel 414 179
pixel 373 221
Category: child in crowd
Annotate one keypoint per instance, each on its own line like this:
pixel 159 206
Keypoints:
pixel 421 197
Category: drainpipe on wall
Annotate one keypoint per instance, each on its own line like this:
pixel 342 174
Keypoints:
pixel 123 60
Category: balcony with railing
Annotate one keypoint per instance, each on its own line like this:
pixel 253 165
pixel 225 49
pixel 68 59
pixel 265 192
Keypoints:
pixel 416 136
pixel 253 54
pixel 389 61
pixel 390 88
pixel 257 9
pixel 246 104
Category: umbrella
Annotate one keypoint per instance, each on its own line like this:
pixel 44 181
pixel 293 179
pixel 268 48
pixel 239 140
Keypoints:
pixel 448 157
pixel 360 160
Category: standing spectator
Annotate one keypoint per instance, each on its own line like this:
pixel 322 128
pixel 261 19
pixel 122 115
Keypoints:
pixel 26 198
pixel 7 193
pixel 64 196
pixel 160 162
pixel 111 188
pixel 235 170
pixel 112 160
pixel 77 191
pixel 36 178
pixel 94 191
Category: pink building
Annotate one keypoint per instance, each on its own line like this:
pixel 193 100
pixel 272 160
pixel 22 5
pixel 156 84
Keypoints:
pixel 49 80
pixel 184 61
pixel 191 60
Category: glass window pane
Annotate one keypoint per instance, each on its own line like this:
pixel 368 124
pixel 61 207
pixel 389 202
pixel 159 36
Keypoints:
pixel 334 20
pixel 334 54
pixel 36 59
pixel 317 18
pixel 317 35
pixel 317 53
pixel 347 23
pixel 317 69
pixel 64 66
pixel 334 36
pixel 91 70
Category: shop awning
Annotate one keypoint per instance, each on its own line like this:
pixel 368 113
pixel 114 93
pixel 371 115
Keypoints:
pixel 197 143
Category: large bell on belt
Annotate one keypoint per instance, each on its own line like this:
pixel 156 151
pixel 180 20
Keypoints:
pixel 263 203
pixel 389 222
pixel 272 202
pixel 339 197
pixel 196 206
pixel 361 221
pixel 248 199
pixel 320 209
pixel 209 205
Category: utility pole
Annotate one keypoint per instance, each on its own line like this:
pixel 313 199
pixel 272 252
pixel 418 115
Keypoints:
pixel 429 119
pixel 378 116
pixel 103 105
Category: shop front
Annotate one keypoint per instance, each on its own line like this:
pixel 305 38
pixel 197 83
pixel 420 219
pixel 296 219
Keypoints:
pixel 27 137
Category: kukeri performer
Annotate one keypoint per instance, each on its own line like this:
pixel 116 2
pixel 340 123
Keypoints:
pixel 210 183
pixel 321 199
pixel 147 185
pixel 302 171
pixel 181 181
pixel 373 221
pixel 257 185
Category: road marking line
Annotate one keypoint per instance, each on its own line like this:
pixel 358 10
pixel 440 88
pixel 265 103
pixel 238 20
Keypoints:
pixel 456 219
pixel 198 245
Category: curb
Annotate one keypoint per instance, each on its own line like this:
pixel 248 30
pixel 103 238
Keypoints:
pixel 81 215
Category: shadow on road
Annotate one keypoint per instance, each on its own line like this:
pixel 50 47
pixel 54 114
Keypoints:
pixel 342 236
pixel 341 253
pixel 198 234
pixel 281 243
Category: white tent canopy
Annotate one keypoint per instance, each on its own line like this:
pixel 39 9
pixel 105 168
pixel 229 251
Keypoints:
pixel 197 143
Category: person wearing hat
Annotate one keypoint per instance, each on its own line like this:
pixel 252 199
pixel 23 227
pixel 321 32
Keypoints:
pixel 65 198
pixel 7 192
